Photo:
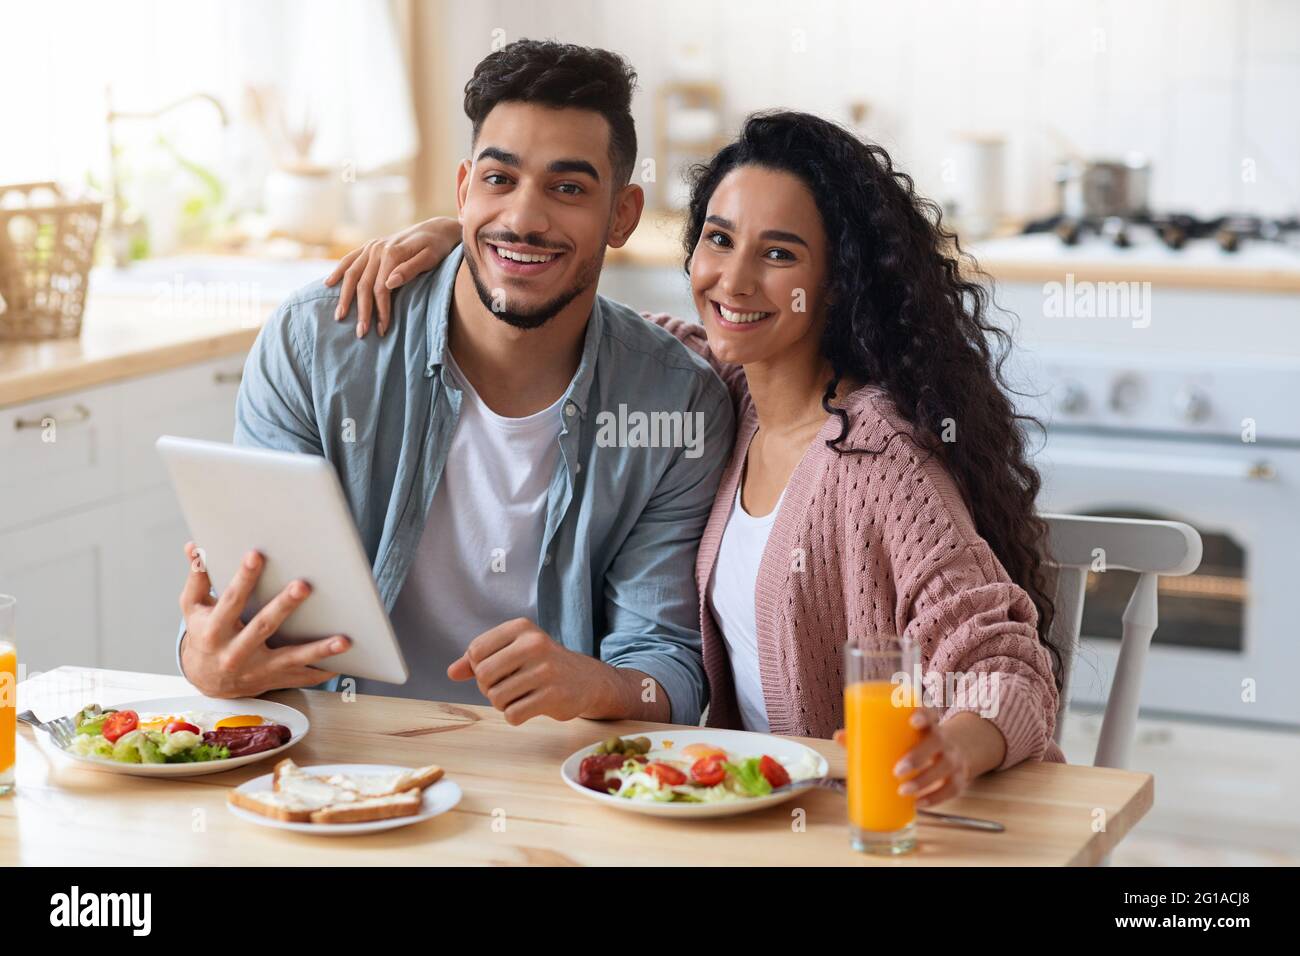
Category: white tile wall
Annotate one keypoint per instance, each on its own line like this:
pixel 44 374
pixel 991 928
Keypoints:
pixel 1204 87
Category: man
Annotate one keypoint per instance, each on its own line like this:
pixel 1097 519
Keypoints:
pixel 530 555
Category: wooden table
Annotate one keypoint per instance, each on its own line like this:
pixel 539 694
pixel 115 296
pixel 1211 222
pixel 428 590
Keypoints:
pixel 515 810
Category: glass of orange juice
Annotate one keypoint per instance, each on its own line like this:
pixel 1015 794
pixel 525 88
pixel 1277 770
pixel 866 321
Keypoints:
pixel 881 693
pixel 8 695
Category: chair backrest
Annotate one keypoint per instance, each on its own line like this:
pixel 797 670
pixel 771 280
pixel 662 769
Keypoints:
pixel 1078 545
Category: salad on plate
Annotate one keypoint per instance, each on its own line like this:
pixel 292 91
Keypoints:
pixel 696 773
pixel 126 736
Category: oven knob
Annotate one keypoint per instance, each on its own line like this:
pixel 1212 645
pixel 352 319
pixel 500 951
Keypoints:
pixel 1192 404
pixel 1125 393
pixel 1073 399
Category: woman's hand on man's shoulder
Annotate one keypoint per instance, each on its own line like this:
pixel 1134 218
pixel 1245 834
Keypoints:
pixel 371 272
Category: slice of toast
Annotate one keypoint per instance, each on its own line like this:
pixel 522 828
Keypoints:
pixel 282 768
pixel 298 786
pixel 265 803
pixel 404 804
pixel 422 777
pixel 380 785
pixel 299 796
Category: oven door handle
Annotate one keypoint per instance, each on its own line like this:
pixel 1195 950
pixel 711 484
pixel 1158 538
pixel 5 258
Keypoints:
pixel 1258 470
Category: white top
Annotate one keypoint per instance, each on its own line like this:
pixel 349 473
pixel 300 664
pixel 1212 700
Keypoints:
pixel 731 598
pixel 476 564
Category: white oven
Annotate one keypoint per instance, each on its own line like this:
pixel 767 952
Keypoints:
pixel 1185 409
pixel 1228 641
pixel 1210 440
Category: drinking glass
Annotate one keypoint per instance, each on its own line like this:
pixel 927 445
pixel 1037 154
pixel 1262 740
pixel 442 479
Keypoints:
pixel 8 695
pixel 882 691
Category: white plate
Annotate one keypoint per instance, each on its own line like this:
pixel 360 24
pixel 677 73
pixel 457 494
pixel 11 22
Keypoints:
pixel 437 799
pixel 296 721
pixel 738 743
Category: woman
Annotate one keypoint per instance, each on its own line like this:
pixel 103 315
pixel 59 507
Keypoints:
pixel 879 482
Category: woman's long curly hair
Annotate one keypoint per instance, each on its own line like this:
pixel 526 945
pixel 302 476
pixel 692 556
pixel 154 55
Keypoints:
pixel 900 315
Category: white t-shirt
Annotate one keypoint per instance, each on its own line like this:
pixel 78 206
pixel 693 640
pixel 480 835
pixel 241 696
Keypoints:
pixel 731 598
pixel 476 564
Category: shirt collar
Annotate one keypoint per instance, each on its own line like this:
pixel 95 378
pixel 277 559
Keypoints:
pixel 439 309
pixel 439 315
pixel 580 388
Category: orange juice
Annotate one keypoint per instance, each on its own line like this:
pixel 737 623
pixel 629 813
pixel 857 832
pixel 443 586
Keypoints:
pixel 8 712
pixel 879 734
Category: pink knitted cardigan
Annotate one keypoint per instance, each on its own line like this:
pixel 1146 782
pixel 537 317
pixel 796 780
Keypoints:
pixel 874 543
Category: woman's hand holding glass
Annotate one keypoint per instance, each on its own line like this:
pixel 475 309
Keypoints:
pixel 949 756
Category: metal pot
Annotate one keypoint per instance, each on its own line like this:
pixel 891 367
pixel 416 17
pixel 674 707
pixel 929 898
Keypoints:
pixel 1101 188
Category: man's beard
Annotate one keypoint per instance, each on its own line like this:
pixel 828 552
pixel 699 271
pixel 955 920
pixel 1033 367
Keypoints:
pixel 588 275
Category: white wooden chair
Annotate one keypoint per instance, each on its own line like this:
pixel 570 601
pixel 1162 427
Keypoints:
pixel 1151 548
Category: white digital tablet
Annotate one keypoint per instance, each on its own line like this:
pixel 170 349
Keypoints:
pixel 291 509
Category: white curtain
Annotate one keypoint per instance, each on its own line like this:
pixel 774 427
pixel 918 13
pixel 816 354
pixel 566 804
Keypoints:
pixel 337 62
pixel 347 75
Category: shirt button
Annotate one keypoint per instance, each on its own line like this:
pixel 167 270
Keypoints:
pixel 546 560
pixel 570 409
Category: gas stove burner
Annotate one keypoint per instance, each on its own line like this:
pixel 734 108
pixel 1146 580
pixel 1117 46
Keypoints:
pixel 1116 230
pixel 1173 230
pixel 1172 235
pixel 1067 230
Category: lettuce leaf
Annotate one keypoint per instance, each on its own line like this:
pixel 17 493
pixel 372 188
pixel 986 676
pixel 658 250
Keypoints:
pixel 91 746
pixel 747 778
pixel 199 753
pixel 138 746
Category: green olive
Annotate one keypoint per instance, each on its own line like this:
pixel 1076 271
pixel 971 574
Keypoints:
pixel 642 744
pixel 614 745
pixel 601 748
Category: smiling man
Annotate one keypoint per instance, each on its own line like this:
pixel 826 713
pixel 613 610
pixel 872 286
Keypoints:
pixel 525 561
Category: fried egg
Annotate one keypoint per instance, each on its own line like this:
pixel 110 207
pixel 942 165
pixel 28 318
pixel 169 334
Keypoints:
pixel 203 719
pixel 241 720
pixel 695 752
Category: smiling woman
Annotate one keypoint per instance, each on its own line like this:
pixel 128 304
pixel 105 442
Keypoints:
pixel 749 276
pixel 809 253
pixel 878 485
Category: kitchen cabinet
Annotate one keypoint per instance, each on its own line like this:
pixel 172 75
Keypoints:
pixel 142 576
pixel 90 530
pixel 55 569
pixel 57 454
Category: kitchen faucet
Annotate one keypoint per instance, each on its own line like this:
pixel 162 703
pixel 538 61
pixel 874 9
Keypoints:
pixel 119 231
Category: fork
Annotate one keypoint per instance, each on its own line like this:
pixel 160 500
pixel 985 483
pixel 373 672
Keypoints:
pixel 61 730
pixel 840 785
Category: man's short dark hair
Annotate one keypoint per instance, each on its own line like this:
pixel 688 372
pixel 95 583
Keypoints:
pixel 560 75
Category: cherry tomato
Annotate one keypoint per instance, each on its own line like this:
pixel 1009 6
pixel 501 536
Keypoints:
pixel 176 725
pixel 666 775
pixel 708 771
pixel 774 772
pixel 122 722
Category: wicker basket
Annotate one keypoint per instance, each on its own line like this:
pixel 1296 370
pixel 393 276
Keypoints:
pixel 47 243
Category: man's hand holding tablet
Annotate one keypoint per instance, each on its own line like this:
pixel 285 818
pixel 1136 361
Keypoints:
pixel 224 657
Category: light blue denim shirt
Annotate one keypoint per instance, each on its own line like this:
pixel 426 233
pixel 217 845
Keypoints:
pixel 647 429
